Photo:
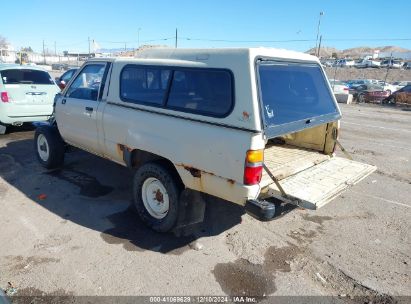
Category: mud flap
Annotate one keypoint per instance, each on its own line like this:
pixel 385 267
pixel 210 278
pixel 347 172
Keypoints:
pixel 192 209
pixel 318 185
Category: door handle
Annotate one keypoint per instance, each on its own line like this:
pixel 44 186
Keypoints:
pixel 63 101
pixel 89 109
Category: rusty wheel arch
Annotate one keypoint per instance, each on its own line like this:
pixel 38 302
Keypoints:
pixel 135 158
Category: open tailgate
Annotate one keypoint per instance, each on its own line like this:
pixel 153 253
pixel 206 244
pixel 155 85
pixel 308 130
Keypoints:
pixel 318 185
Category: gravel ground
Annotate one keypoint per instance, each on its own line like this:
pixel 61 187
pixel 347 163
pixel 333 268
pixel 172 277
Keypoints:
pixel 71 232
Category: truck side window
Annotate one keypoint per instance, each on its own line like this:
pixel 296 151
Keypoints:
pixel 87 83
pixel 206 92
pixel 144 85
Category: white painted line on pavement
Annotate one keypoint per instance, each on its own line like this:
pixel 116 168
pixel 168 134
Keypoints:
pixel 382 199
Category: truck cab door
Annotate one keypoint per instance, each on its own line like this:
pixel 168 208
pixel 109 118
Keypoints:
pixel 77 108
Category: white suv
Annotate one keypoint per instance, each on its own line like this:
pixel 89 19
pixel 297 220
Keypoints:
pixel 27 95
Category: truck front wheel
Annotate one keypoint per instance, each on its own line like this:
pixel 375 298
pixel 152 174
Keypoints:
pixel 49 147
pixel 156 197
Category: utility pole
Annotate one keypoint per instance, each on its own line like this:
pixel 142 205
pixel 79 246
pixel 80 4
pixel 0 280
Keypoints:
pixel 386 74
pixel 55 49
pixel 88 47
pixel 176 37
pixel 318 30
pixel 319 46
pixel 125 46
pixel 44 53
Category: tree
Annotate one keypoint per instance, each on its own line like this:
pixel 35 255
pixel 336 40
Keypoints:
pixel 27 49
pixel 334 55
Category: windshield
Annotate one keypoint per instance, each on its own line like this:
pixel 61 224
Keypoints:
pixel 295 92
pixel 25 76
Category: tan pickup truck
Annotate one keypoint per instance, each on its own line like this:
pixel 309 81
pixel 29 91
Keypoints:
pixel 255 127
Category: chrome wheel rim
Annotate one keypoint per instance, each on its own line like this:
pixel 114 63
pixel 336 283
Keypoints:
pixel 43 147
pixel 155 198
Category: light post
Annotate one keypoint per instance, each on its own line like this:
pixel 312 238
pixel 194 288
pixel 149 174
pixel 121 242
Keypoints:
pixel 318 32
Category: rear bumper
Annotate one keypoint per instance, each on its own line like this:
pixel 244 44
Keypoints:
pixel 12 113
pixel 11 120
pixel 374 98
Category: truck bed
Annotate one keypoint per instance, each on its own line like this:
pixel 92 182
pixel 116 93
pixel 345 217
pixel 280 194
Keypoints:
pixel 286 160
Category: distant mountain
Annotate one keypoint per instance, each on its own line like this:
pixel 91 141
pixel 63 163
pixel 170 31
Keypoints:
pixel 357 52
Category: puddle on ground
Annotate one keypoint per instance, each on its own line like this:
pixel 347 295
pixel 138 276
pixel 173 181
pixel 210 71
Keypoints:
pixel 33 295
pixel 279 259
pixel 242 278
pixel 89 185
pixel 20 263
pixel 304 236
pixel 316 218
pixel 131 232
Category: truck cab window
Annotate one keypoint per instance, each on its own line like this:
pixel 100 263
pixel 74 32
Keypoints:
pixel 87 83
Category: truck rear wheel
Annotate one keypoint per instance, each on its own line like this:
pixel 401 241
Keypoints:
pixel 156 197
pixel 49 147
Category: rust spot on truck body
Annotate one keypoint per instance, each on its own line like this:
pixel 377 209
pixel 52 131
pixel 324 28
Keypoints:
pixel 200 174
pixel 193 171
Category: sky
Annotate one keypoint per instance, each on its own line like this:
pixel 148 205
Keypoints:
pixel 208 23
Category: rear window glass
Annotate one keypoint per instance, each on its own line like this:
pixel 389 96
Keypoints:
pixel 204 92
pixel 144 85
pixel 294 92
pixel 25 76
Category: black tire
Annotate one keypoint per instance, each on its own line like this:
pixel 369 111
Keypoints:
pixel 360 98
pixel 54 146
pixel 167 179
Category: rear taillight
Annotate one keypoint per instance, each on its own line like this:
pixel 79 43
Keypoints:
pixel 253 167
pixel 346 89
pixel 4 97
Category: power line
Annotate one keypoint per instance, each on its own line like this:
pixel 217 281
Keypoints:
pixel 294 40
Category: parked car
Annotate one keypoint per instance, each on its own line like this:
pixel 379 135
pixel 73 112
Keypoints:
pixel 391 64
pixel 386 86
pixel 27 95
pixel 59 66
pixel 369 93
pixel 403 95
pixel 368 63
pixel 407 66
pixel 64 79
pixel 400 84
pixel 191 121
pixel 339 87
pixel 328 63
pixel 352 84
pixel 344 63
